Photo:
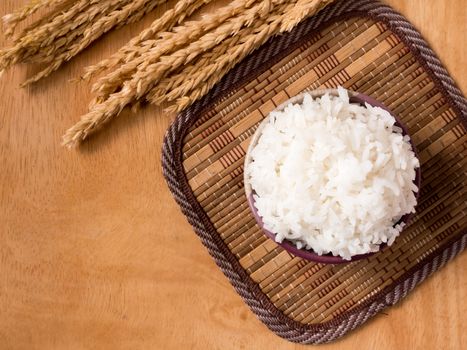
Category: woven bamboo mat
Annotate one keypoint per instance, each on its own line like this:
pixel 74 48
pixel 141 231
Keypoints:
pixel 363 46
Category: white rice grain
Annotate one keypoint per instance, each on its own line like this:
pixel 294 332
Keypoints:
pixel 332 176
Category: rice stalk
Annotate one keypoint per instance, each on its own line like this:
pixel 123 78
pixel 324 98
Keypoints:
pixel 170 42
pixel 11 20
pixel 150 74
pixel 131 12
pixel 60 45
pixel 199 83
pixel 68 33
pixel 171 87
pixel 60 23
pixel 172 17
pixel 173 60
pixel 302 10
pixel 72 32
pixel 138 14
pixel 30 43
pixel 44 18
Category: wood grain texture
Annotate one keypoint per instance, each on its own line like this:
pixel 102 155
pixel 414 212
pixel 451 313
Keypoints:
pixel 94 252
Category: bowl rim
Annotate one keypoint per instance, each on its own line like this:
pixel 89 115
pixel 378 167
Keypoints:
pixel 310 255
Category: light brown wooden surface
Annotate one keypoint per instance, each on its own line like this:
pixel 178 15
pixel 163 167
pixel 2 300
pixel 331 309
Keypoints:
pixel 95 254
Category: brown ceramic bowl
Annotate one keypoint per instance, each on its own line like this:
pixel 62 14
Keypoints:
pixel 357 98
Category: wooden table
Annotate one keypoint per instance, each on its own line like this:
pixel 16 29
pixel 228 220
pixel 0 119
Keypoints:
pixel 94 252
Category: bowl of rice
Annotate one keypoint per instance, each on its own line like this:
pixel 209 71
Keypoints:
pixel 332 176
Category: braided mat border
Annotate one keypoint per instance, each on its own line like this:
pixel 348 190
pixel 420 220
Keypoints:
pixel 272 51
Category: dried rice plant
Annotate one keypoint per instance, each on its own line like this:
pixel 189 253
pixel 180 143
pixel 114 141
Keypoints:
pixel 203 79
pixel 169 42
pixel 154 65
pixel 172 17
pixel 131 12
pixel 68 31
pixel 174 60
pixel 11 20
pixel 119 90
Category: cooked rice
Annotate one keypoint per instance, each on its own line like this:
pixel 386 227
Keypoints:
pixel 333 176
